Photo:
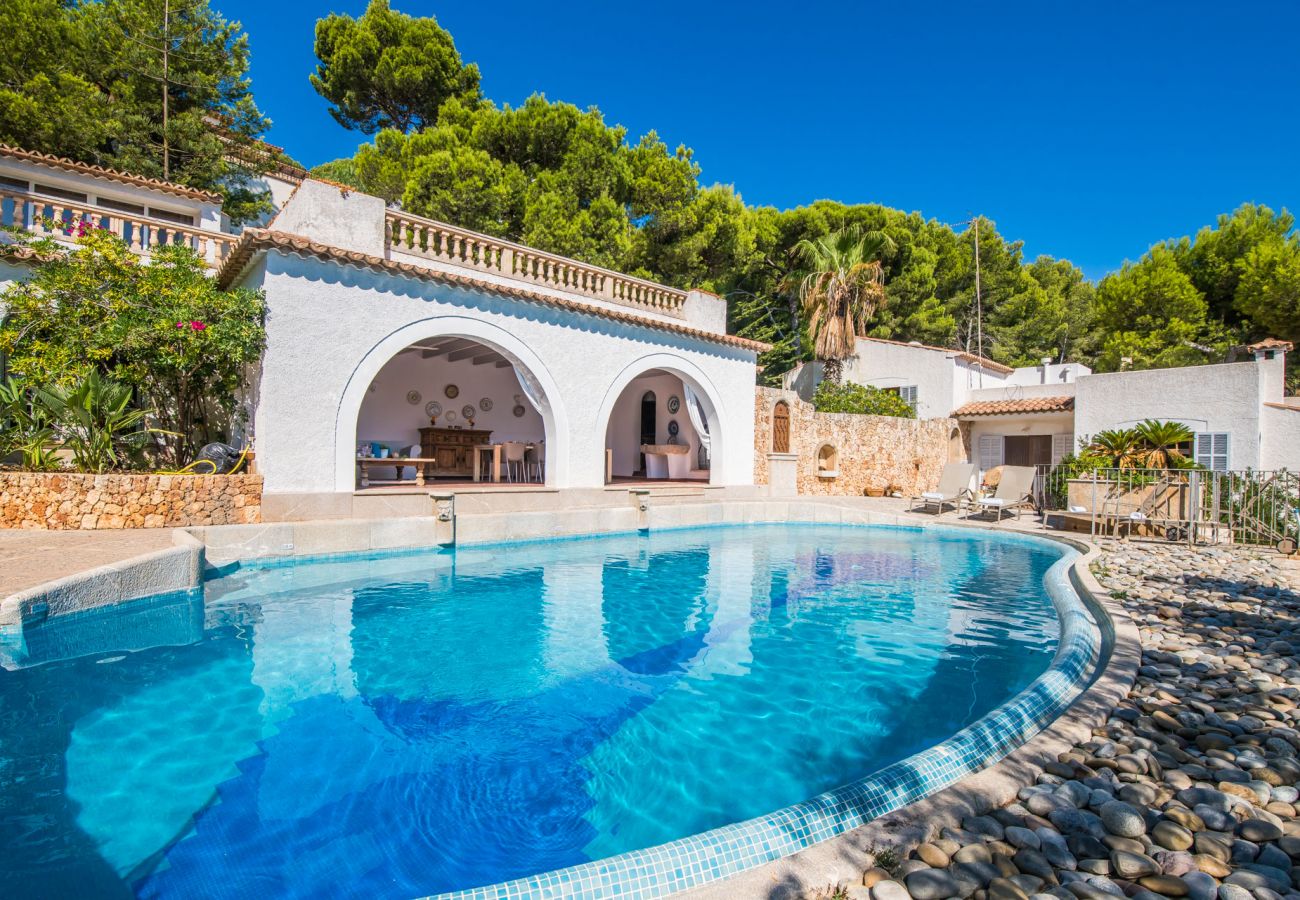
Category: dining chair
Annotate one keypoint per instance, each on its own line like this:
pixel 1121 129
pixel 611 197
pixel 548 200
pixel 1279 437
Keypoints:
pixel 536 459
pixel 513 451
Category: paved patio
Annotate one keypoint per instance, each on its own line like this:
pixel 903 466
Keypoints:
pixel 30 558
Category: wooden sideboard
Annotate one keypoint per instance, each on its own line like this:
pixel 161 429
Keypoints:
pixel 453 448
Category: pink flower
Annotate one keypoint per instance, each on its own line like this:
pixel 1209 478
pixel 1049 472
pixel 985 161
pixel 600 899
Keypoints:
pixel 197 326
pixel 180 324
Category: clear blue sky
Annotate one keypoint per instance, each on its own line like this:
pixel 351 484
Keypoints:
pixel 1087 130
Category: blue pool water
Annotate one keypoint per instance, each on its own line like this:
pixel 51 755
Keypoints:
pixel 418 723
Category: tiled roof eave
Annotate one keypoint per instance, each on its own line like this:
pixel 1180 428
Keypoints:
pixel 1019 407
pixel 254 240
pixel 62 163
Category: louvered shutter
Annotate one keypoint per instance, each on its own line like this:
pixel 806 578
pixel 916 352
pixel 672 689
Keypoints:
pixel 1212 450
pixel 1062 445
pixel 990 451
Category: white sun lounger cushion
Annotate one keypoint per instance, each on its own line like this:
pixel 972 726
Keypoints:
pixel 996 501
pixel 932 495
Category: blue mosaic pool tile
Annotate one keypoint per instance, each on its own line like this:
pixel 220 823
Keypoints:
pixel 723 852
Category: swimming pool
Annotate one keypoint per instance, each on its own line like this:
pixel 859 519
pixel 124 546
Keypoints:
pixel 437 721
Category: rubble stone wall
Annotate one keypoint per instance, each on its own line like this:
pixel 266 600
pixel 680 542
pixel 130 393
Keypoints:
pixel 884 452
pixel 71 502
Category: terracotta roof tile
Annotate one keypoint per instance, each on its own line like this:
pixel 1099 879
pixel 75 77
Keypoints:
pixel 1013 407
pixel 256 239
pixel 983 361
pixel 1271 344
pixel 71 165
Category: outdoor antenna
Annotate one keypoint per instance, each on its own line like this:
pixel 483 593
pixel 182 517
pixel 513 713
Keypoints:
pixel 979 311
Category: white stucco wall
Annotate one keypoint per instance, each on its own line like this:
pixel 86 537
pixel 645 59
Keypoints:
pixel 943 382
pixel 9 273
pixel 623 434
pixel 332 328
pixel 1021 392
pixel 1218 398
pixel 1281 444
pixel 1056 374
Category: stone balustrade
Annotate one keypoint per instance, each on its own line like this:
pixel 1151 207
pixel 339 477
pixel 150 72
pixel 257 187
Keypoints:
pixel 56 218
pixel 434 240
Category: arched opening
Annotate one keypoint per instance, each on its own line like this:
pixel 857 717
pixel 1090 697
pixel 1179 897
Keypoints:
pixel 451 409
pixel 661 424
pixel 781 427
pixel 649 420
pixel 956 446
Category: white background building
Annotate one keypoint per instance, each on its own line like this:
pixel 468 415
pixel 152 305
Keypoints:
pixel 1037 414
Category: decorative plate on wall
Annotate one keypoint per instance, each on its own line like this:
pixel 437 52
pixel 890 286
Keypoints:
pixel 467 410
pixel 451 391
pixel 485 404
pixel 413 397
pixel 433 408
pixel 673 427
pixel 674 404
pixel 451 415
pixel 519 410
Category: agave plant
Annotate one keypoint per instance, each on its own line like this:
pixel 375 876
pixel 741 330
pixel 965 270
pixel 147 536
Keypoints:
pixel 841 285
pixel 1121 448
pixel 1160 442
pixel 95 421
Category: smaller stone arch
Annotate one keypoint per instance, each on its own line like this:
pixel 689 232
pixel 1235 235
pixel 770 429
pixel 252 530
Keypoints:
pixel 956 446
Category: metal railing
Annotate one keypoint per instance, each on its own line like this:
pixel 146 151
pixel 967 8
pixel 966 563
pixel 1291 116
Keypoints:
pixel 1253 507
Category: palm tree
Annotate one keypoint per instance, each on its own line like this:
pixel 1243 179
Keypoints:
pixel 1162 440
pixel 1120 448
pixel 841 284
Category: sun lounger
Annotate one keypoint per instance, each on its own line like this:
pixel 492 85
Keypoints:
pixel 956 486
pixel 1015 491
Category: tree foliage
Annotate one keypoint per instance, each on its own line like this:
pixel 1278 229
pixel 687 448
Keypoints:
pixel 562 179
pixel 163 328
pixel 388 70
pixel 87 81
pixel 861 399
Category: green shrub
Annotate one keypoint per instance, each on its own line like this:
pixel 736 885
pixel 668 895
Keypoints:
pixel 860 399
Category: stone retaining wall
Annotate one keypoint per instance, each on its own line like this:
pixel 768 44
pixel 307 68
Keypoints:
pixel 70 502
pixel 904 455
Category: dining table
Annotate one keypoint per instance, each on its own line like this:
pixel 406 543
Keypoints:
pixel 495 449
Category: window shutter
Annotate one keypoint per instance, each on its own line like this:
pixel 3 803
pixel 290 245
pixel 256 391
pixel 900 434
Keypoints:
pixel 1212 450
pixel 908 394
pixel 1062 445
pixel 990 451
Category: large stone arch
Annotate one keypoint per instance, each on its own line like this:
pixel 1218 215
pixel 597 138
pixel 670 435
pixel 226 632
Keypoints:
pixel 554 417
pixel 714 410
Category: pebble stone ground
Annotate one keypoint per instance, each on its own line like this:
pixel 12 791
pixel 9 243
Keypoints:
pixel 1188 790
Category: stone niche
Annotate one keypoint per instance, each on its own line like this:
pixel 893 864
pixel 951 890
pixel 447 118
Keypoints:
pixel 845 454
pixel 76 502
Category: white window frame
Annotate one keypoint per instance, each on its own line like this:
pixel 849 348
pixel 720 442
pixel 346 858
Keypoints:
pixel 908 393
pixel 1213 450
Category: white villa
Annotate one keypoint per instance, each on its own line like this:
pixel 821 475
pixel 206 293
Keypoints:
pixel 394 337
pixel 391 333
pixel 1035 415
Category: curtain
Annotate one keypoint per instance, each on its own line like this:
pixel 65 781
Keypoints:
pixel 531 388
pixel 696 414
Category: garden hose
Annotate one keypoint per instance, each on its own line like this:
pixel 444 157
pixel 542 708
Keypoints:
pixel 193 468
